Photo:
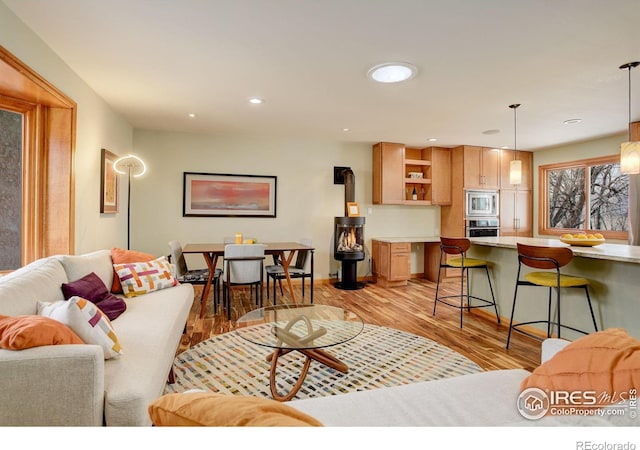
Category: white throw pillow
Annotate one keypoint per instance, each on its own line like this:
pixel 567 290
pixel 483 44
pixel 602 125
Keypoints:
pixel 86 320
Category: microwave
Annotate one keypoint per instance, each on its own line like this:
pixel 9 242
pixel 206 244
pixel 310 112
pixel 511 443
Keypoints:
pixel 482 203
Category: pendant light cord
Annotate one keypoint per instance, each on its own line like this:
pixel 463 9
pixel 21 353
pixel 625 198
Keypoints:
pixel 515 129
pixel 629 66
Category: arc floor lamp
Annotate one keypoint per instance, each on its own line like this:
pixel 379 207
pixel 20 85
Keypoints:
pixel 132 166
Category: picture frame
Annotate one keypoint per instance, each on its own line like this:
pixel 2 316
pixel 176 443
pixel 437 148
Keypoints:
pixel 228 195
pixel 109 183
pixel 353 209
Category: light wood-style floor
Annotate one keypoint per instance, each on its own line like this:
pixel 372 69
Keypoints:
pixel 408 308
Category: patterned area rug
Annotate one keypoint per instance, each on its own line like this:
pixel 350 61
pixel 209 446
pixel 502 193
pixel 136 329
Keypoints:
pixel 378 357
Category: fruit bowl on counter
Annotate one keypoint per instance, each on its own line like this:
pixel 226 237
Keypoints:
pixel 582 239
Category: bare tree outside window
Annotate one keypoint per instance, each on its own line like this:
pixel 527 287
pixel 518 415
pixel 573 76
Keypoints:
pixel 608 198
pixel 588 195
pixel 566 198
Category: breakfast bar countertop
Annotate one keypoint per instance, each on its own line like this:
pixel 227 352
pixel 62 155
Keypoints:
pixel 394 240
pixel 606 251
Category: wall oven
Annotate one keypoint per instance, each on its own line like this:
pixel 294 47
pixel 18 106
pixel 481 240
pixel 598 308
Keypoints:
pixel 488 226
pixel 481 204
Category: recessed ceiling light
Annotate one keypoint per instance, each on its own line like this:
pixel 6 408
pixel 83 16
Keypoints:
pixel 192 115
pixel 346 129
pixel 491 132
pixel 432 139
pixel 256 100
pixel 393 72
pixel 569 121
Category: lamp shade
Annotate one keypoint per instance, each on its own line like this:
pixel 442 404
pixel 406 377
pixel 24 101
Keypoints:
pixel 515 171
pixel 630 157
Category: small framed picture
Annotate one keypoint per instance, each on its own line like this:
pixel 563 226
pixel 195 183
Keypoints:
pixel 108 183
pixel 353 209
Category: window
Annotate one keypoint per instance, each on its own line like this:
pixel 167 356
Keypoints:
pixel 589 195
pixel 47 191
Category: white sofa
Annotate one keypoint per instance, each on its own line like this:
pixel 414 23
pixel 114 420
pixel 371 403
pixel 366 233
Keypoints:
pixel 73 385
pixel 481 399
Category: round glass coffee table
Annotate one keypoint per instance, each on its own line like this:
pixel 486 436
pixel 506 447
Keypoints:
pixel 307 329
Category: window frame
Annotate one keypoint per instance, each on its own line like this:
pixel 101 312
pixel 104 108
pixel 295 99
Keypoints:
pixel 49 124
pixel 543 196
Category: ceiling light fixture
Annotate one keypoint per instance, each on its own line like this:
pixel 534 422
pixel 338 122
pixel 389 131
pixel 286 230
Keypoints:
pixel 570 121
pixel 256 100
pixel 515 166
pixel 432 139
pixel 630 151
pixel 392 72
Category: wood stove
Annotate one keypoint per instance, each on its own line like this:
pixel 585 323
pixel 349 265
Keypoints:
pixel 349 239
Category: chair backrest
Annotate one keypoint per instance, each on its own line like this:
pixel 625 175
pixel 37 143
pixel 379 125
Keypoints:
pixel 303 255
pixel 544 257
pixel 247 271
pixel 454 246
pixel 177 257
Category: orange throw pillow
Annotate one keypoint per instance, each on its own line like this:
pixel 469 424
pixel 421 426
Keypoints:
pixel 218 410
pixel 20 332
pixel 606 362
pixel 122 256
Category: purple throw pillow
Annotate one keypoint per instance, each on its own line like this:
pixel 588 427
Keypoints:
pixel 92 288
pixel 89 287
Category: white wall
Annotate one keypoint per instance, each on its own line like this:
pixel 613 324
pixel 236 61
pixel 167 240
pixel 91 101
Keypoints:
pixel 307 199
pixel 97 127
pixel 605 146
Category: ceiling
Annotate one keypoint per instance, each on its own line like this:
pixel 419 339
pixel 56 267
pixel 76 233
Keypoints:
pixel 156 61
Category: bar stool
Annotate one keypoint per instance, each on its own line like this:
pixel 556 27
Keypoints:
pixel 550 259
pixel 459 246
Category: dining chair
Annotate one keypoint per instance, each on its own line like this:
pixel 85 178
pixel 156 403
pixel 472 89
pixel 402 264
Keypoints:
pixel 299 269
pixel 194 276
pixel 547 261
pixel 243 266
pixel 453 254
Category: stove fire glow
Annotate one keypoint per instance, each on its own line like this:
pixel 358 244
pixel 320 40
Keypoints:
pixel 348 241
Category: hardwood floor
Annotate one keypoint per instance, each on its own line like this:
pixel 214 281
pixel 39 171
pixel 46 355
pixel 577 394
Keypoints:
pixel 407 308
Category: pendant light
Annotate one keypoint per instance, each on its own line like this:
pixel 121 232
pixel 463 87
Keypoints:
pixel 630 151
pixel 515 166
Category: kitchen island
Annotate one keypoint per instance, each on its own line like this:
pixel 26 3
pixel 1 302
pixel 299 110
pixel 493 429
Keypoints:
pixel 613 271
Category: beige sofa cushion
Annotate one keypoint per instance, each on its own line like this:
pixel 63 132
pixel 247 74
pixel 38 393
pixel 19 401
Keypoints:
pixel 21 290
pixel 99 262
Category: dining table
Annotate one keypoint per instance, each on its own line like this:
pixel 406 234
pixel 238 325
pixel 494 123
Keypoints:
pixel 284 250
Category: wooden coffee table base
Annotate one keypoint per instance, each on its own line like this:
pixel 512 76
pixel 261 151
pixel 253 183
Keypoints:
pixel 311 354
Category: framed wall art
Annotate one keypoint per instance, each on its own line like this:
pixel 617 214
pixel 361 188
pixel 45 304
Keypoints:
pixel 227 195
pixel 353 209
pixel 108 183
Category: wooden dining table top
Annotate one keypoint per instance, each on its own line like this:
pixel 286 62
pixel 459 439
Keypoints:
pixel 271 247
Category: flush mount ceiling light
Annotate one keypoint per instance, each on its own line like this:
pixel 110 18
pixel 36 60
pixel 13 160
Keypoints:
pixel 515 166
pixel 630 151
pixel 392 72
pixel 256 101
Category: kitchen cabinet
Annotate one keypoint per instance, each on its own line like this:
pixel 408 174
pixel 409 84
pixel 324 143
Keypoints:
pixel 391 262
pixel 399 170
pixel 388 174
pixel 516 212
pixel 481 167
pixel 506 156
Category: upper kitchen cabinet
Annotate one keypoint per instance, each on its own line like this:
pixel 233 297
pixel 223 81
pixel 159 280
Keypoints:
pixel 411 176
pixel 481 167
pixel 506 156
pixel 388 173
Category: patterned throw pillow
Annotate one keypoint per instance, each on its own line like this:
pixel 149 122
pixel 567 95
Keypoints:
pixel 121 256
pixel 86 320
pixel 144 277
